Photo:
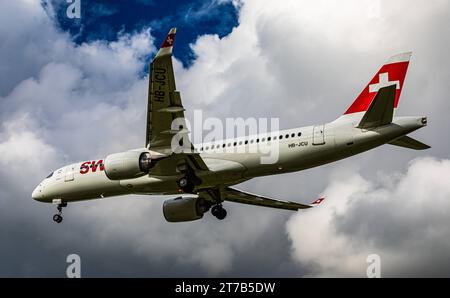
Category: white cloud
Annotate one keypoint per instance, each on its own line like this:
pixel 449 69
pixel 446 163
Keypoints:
pixel 22 150
pixel 308 55
pixel 402 218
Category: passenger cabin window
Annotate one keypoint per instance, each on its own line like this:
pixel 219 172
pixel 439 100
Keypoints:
pixel 281 137
pixel 269 138
pixel 287 136
pixel 246 142
pixel 263 139
pixel 299 134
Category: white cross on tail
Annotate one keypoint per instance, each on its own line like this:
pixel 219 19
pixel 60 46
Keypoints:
pixel 383 82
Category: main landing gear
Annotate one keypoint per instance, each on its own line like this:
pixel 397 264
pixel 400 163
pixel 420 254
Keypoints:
pixel 219 212
pixel 58 217
pixel 189 181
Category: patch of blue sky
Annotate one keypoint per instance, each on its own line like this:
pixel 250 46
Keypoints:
pixel 104 20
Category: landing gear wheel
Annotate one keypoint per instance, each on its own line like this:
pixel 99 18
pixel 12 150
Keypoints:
pixel 222 214
pixel 57 218
pixel 186 185
pixel 219 212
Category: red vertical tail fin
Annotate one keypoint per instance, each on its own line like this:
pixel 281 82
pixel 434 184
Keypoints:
pixel 391 73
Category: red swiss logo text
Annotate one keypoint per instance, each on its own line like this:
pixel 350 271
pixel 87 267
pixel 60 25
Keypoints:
pixel 92 166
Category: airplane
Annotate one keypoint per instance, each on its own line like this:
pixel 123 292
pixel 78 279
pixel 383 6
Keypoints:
pixel 202 176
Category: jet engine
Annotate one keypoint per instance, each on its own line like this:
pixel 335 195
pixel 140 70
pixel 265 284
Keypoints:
pixel 185 209
pixel 128 165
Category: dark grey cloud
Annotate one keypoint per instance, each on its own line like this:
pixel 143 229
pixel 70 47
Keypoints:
pixel 303 63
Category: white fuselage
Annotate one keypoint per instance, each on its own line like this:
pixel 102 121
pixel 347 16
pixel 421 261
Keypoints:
pixel 298 149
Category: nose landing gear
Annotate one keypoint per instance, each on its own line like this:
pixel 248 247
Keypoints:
pixel 58 217
pixel 219 212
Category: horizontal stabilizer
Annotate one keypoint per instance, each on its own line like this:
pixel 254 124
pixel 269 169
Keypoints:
pixel 381 110
pixel 410 143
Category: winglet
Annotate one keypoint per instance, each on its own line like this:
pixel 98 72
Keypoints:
pixel 167 46
pixel 317 202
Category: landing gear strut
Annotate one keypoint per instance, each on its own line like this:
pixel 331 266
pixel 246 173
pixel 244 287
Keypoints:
pixel 58 217
pixel 219 212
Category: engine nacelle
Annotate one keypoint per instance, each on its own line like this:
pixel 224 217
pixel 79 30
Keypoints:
pixel 128 165
pixel 184 209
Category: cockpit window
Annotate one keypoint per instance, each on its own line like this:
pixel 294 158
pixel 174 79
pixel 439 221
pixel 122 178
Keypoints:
pixel 51 174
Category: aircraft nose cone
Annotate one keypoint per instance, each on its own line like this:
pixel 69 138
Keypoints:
pixel 37 194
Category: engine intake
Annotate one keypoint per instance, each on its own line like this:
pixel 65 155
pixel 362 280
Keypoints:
pixel 128 165
pixel 185 209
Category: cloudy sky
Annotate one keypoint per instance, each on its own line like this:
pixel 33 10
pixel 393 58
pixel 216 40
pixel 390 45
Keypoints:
pixel 75 89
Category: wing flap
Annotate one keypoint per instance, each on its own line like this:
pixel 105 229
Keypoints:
pixel 239 196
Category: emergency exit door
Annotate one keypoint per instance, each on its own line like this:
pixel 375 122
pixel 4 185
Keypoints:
pixel 319 135
pixel 69 175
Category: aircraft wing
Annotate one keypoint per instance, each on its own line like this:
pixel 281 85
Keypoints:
pixel 239 196
pixel 164 101
pixel 166 126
